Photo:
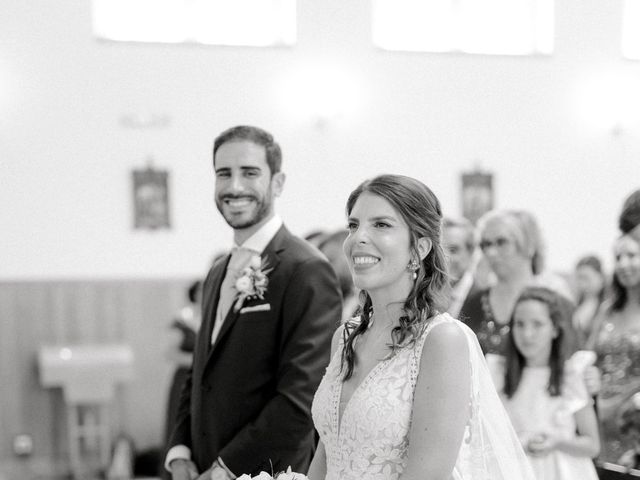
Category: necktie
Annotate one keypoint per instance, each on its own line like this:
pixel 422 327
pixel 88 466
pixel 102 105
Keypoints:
pixel 240 258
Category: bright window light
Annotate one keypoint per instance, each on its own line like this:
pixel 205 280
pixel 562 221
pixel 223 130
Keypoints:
pixel 499 27
pixel 631 30
pixel 214 22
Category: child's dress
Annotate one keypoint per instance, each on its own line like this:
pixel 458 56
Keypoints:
pixel 534 410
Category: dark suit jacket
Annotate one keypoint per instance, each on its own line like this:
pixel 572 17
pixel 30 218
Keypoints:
pixel 248 398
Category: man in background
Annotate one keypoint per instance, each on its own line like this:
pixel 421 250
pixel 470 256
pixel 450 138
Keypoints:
pixel 458 237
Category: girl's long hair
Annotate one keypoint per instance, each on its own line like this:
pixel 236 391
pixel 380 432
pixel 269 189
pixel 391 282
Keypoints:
pixel 515 361
pixel 420 209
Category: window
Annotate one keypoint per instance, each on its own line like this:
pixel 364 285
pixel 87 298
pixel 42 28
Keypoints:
pixel 213 22
pixel 499 27
pixel 631 30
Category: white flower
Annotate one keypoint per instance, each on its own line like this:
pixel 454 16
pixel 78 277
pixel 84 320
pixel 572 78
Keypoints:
pixel 255 262
pixel 243 283
pixel 244 476
pixel 252 282
pixel 263 476
pixel 289 475
pixel 286 476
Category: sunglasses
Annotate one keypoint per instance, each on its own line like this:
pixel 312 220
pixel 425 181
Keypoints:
pixel 500 243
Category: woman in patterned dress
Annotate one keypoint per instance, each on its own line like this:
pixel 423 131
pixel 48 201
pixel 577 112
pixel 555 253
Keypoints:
pixel 616 336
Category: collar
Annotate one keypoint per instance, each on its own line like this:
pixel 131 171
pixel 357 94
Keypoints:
pixel 259 240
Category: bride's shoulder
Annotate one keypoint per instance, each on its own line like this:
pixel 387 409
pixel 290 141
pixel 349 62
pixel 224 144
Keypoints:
pixel 444 332
pixel 444 322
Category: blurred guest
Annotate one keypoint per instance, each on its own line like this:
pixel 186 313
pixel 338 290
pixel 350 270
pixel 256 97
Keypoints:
pixel 186 325
pixel 616 333
pixel 545 394
pixel 630 430
pixel 458 237
pixel 512 245
pixel 331 246
pixel 510 241
pixel 630 215
pixel 315 237
pixel 590 288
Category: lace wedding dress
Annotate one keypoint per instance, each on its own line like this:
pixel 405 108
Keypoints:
pixel 371 439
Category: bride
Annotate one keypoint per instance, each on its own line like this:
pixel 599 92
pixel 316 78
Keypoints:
pixel 407 394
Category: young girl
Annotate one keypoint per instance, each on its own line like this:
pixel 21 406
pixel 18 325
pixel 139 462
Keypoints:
pixel 545 396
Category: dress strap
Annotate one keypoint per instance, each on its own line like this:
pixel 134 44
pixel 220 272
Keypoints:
pixel 419 345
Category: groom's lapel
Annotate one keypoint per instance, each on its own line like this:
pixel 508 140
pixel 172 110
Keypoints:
pixel 212 304
pixel 272 258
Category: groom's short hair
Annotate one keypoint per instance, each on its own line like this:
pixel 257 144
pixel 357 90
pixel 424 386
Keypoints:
pixel 257 136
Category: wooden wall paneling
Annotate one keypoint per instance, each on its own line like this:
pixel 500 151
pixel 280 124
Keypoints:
pixel 8 374
pixel 36 417
pixel 39 313
pixel 109 313
pixel 149 315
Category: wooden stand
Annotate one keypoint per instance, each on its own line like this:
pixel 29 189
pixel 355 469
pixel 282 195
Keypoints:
pixel 88 375
pixel 89 435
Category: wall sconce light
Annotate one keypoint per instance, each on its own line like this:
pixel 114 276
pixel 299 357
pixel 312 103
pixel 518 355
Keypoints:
pixel 144 121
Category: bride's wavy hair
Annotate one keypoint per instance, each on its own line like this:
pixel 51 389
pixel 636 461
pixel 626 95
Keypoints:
pixel 420 210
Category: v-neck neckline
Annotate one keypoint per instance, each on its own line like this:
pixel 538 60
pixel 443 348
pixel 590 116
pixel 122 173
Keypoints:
pixel 338 393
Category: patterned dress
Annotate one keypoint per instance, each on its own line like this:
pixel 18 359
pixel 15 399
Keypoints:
pixel 478 315
pixel 618 357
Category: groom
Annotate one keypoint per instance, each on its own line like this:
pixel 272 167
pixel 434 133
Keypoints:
pixel 262 349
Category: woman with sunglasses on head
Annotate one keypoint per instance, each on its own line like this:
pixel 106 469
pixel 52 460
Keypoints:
pixel 512 245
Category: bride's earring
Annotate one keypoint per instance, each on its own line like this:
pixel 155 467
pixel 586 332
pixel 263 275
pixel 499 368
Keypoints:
pixel 413 268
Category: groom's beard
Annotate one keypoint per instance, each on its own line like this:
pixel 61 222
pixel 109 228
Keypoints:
pixel 256 213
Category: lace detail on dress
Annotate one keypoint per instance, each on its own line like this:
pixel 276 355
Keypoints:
pixel 372 437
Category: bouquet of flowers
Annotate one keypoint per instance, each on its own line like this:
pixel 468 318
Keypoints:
pixel 288 475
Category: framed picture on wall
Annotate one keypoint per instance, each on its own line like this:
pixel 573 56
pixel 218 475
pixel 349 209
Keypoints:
pixel 151 199
pixel 477 194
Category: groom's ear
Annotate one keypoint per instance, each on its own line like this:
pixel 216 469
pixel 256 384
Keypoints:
pixel 277 183
pixel 424 246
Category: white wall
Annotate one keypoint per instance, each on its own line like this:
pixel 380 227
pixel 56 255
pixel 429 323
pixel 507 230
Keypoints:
pixel 65 159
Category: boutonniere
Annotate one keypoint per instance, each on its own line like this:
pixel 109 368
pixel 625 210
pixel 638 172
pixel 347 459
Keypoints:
pixel 252 281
